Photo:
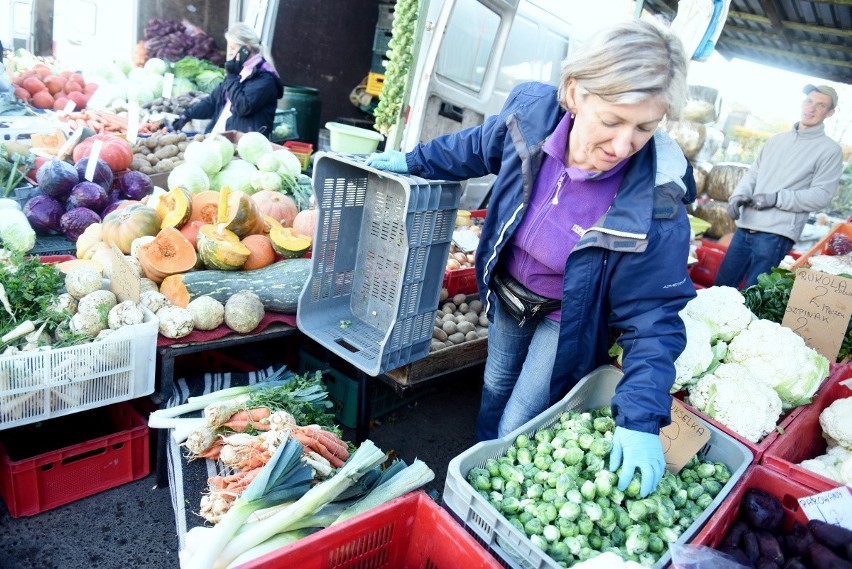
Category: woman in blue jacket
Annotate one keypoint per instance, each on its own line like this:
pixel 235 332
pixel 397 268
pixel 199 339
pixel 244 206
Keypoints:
pixel 588 211
pixel 246 100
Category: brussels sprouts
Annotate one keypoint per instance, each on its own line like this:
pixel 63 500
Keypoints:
pixel 522 441
pixel 586 525
pixel 694 490
pixel 574 495
pixel 549 496
pixel 492 466
pixel 607 518
pixel 636 539
pixel 573 455
pixel 513 488
pixel 481 481
pixel 622 518
pixel 704 501
pixel 616 496
pixel 669 535
pixel 585 441
pixel 722 472
pixel 637 510
pixel 656 544
pixel 524 456
pixel 535 491
pixel 595 542
pixel 551 533
pixel 544 435
pixel 570 511
pixel 546 513
pixel 679 498
pixel 567 527
pixel 689 476
pixel 533 526
pixel 594 463
pixel 592 510
pixel 517 523
pixel 542 460
pixel 712 486
pixel 497 483
pixel 510 473
pixel 559 551
pixel 538 541
pixel 601 447
pixel 665 517
pixel 510 505
pixel 603 424
pixel 705 470
pixel 587 490
pixel 635 486
pixel 574 544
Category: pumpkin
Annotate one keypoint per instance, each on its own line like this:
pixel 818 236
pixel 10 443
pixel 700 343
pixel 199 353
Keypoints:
pixel 288 243
pixel 278 206
pixel 124 225
pixel 220 248
pixel 239 213
pixel 115 151
pixel 175 207
pixel 190 231
pixel 168 254
pixel 278 285
pixel 305 222
pixel 262 253
pixel 205 207
pixel 89 241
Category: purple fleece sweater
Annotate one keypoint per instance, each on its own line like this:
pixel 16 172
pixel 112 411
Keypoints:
pixel 565 202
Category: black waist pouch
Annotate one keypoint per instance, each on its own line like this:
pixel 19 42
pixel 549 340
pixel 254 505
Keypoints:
pixel 521 302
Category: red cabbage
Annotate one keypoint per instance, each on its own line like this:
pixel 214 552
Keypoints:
pixel 43 213
pixel 102 176
pixel 135 185
pixel 74 222
pixel 56 178
pixel 88 195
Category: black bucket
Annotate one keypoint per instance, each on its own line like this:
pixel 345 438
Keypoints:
pixel 306 101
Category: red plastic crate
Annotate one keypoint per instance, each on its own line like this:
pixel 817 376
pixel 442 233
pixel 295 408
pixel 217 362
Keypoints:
pixel 460 281
pixel 411 531
pixel 805 438
pixel 710 255
pixel 787 491
pixel 35 476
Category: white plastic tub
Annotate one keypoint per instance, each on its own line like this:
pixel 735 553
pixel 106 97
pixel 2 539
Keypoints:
pixel 349 139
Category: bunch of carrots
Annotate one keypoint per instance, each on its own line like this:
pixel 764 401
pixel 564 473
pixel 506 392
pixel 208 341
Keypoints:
pixel 98 121
pixel 246 441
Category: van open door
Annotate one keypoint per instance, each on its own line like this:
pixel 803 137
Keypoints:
pixel 471 55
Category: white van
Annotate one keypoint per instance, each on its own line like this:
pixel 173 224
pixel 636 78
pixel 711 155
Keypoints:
pixel 472 53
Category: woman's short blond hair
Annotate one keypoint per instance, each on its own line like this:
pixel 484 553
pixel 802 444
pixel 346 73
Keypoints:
pixel 628 63
pixel 244 34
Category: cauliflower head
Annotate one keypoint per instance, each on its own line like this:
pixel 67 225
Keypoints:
pixel 733 397
pixel 723 309
pixel 696 356
pixel 836 423
pixel 778 357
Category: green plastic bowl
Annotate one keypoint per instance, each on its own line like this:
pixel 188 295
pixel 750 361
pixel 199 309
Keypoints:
pixel 349 139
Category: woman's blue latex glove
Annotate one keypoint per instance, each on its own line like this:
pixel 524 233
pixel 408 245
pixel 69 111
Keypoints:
pixel 390 160
pixel 633 450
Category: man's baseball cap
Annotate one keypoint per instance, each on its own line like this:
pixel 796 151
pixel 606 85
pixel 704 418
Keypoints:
pixel 824 89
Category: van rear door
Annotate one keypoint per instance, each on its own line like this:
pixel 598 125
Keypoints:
pixel 472 53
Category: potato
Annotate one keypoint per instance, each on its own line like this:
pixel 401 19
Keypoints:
pixel 475 306
pixel 436 345
pixel 472 317
pixel 168 151
pixel 464 308
pixel 449 327
pixel 483 321
pixel 439 334
pixel 459 299
pixel 471 336
pixel 449 308
pixel 152 158
pixel 448 318
pixel 482 332
pixel 453 265
pixel 445 294
pixel 465 326
pixel 457 338
pixel 439 314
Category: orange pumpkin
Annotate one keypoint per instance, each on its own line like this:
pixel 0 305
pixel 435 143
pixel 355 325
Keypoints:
pixel 190 231
pixel 278 206
pixel 115 151
pixel 239 213
pixel 205 206
pixel 305 222
pixel 169 253
pixel 262 254
pixel 175 207
pixel 122 226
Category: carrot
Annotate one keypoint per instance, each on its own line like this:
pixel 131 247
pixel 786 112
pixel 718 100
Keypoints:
pixel 243 426
pixel 212 452
pixel 255 414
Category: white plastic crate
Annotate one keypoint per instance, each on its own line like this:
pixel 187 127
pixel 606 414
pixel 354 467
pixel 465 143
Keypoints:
pixel 35 386
pixel 510 545
pixel 379 255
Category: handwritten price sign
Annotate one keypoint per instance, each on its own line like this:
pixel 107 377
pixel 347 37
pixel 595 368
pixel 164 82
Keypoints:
pixel 819 309
pixel 683 438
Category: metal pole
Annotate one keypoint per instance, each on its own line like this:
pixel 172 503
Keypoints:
pixel 637 11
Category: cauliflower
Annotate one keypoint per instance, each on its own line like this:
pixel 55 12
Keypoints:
pixel 835 464
pixel 778 357
pixel 723 309
pixel 740 402
pixel 836 423
pixel 696 356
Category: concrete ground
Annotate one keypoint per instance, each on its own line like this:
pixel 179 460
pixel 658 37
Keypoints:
pixel 132 526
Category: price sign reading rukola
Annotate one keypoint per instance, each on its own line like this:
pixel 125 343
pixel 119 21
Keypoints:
pixel 819 309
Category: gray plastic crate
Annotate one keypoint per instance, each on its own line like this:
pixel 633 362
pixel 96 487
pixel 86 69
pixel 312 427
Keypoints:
pixel 511 546
pixel 379 255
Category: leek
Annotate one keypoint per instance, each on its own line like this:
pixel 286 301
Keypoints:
pixel 270 545
pixel 367 457
pixel 283 478
pixel 408 479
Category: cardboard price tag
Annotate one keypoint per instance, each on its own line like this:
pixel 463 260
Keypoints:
pixel 833 506
pixel 124 281
pixel 819 309
pixel 683 438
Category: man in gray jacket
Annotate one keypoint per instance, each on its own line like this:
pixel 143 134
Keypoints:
pixel 796 172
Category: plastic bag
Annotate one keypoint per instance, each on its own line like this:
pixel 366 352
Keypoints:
pixel 686 556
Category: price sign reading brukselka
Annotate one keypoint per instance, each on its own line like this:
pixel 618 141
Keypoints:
pixel 819 309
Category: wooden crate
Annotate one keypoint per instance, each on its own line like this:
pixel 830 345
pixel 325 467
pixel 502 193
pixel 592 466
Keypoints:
pixel 458 357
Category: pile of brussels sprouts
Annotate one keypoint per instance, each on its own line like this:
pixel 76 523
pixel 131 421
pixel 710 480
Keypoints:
pixel 555 487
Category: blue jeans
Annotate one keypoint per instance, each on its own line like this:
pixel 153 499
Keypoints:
pixel 751 254
pixel 517 373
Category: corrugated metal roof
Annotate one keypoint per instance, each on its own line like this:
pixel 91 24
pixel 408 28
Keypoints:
pixel 812 37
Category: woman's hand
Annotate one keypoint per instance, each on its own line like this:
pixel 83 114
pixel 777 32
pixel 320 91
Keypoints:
pixel 391 160
pixel 639 450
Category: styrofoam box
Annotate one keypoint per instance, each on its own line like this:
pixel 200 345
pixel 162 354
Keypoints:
pixel 379 253
pixel 40 385
pixel 507 542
